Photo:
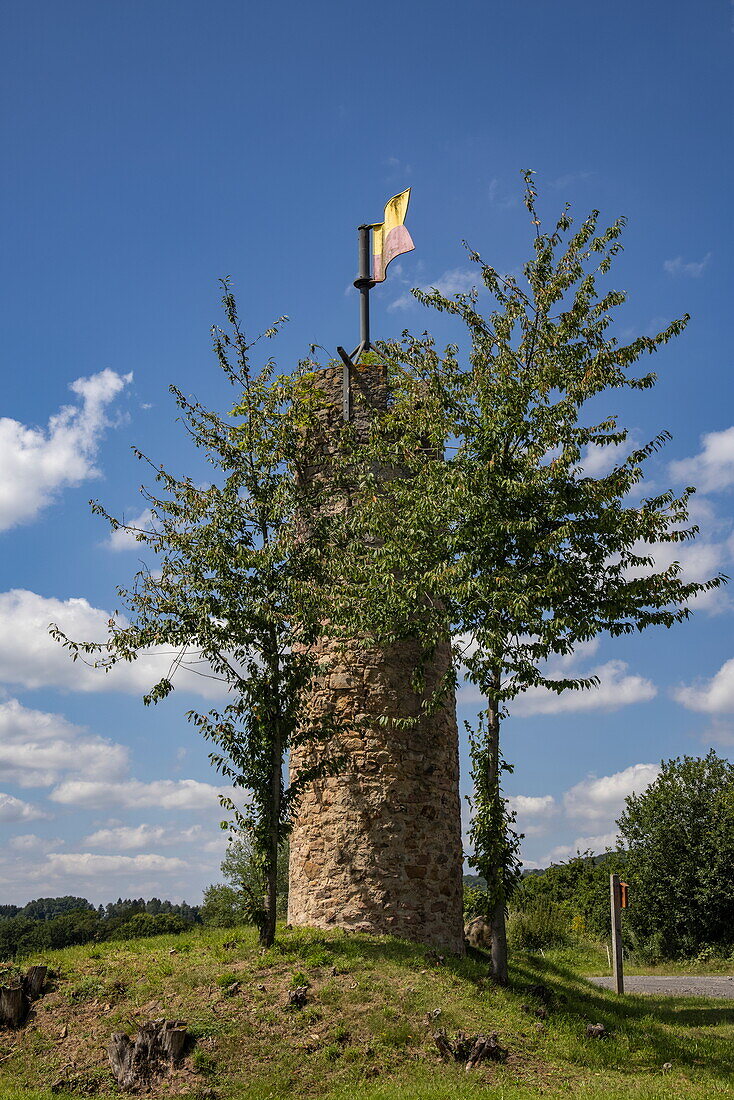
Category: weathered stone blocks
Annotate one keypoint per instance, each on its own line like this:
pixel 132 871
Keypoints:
pixel 378 848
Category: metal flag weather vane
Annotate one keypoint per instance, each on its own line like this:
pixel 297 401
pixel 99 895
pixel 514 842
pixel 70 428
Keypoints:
pixel 390 238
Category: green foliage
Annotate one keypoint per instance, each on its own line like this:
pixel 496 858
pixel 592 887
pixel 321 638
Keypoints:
pixel 580 887
pixel 48 908
pixel 475 902
pixel 237 592
pixel 121 920
pixel 540 925
pixel 223 907
pixel 679 834
pixel 204 1062
pixel 230 903
pixel 225 980
pixel 148 924
pixel 505 542
pixel 496 844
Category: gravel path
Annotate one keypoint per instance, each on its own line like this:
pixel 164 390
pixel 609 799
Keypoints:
pixel 675 987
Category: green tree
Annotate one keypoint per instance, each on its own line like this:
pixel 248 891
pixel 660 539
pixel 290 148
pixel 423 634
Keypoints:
pixel 579 886
pixel 236 591
pixel 505 542
pixel 679 836
pixel 230 902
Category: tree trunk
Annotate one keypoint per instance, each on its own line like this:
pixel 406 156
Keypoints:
pixel 267 931
pixel 499 943
pixel 499 932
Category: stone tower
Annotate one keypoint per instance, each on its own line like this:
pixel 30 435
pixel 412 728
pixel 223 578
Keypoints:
pixel 377 848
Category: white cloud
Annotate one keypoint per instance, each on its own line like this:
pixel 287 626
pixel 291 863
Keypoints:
pixel 37 748
pixel 712 469
pixel 714 696
pixel 569 180
pixel 131 837
pixel 533 805
pixel 602 799
pixel 38 462
pixel 456 281
pixel 89 865
pixel 29 656
pixel 534 812
pixel 699 561
pixel 595 844
pixel 616 689
pixel 692 269
pixel 122 539
pixel 13 809
pixel 165 794
pixel 600 461
pixel 29 842
pixel 503 202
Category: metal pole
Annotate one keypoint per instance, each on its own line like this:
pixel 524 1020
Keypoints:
pixel 616 904
pixel 364 283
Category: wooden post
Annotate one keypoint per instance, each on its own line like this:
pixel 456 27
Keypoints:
pixel 616 903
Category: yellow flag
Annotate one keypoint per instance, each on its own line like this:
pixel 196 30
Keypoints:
pixel 390 238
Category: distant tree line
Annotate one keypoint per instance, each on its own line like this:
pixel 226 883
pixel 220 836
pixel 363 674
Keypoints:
pixel 49 923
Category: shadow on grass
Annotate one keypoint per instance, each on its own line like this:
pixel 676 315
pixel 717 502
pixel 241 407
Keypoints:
pixel 667 1026
pixel 307 944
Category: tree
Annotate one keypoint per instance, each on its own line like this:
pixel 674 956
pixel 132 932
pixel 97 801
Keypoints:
pixel 505 542
pixel 48 908
pixel 229 903
pixel 579 887
pixel 679 836
pixel 237 591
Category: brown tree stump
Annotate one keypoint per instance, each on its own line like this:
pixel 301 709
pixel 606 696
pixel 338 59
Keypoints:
pixel 471 1050
pixel 16 997
pixel 34 981
pixel 15 1005
pixel 158 1045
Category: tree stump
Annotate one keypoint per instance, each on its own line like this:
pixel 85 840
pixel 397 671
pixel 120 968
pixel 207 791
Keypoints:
pixel 470 1050
pixel 17 996
pixel 15 1004
pixel 34 981
pixel 297 997
pixel 158 1045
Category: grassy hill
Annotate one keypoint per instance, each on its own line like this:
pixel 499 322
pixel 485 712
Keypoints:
pixel 363 1032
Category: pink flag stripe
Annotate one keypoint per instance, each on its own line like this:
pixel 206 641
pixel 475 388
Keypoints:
pixel 397 241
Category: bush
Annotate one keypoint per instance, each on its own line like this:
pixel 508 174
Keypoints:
pixel 232 902
pixel 541 924
pixel 680 839
pixel 223 907
pixel 580 887
pixel 148 924
pixel 476 902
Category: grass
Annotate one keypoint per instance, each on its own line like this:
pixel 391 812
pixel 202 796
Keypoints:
pixel 588 958
pixel 364 1031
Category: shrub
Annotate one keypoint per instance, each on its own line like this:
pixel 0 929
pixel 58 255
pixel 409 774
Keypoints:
pixel 541 924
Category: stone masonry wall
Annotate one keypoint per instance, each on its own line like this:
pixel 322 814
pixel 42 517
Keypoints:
pixel 378 847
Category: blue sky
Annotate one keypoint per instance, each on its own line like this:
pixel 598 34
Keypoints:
pixel 152 148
